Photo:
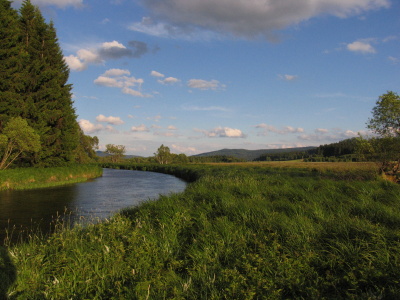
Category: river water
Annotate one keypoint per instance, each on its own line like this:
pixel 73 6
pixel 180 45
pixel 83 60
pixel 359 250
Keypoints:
pixel 93 200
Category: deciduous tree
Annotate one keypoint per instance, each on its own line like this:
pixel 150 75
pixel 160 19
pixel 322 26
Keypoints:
pixel 16 138
pixel 163 155
pixel 116 151
pixel 384 148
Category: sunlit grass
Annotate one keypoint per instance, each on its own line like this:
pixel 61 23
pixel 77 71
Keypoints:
pixel 30 178
pixel 235 233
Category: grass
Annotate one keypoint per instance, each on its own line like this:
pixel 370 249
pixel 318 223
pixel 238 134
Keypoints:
pixel 237 232
pixel 31 178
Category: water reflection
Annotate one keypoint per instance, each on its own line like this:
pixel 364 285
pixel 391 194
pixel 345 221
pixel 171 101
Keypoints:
pixel 99 198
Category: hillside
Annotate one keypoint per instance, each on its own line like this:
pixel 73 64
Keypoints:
pixel 251 154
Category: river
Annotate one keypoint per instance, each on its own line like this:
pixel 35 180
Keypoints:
pixel 96 199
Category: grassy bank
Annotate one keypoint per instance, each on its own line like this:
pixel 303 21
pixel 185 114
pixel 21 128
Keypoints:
pixel 237 232
pixel 31 178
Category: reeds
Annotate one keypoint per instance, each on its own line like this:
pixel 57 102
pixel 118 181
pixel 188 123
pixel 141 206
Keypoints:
pixel 235 233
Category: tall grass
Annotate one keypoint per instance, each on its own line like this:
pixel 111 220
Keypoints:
pixel 235 233
pixel 30 178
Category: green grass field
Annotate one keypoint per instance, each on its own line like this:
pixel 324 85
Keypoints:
pixel 32 178
pixel 250 231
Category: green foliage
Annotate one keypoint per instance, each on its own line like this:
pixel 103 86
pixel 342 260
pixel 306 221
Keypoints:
pixel 385 148
pixel 116 152
pixel 85 152
pixel 34 85
pixel 163 155
pixel 16 138
pixel 385 119
pixel 236 233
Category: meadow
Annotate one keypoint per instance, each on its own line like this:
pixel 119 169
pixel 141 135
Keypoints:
pixel 32 178
pixel 246 231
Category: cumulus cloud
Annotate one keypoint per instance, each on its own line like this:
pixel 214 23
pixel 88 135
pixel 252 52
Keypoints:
pixel 89 127
pixel 184 149
pixel 168 80
pixel 110 120
pixel 245 19
pixel 361 46
pixel 204 84
pixel 223 132
pixel 266 129
pixel 172 127
pixel 140 128
pixel 98 54
pixel 119 78
pixel 156 74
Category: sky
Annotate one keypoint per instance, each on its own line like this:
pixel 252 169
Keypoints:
pixel 203 75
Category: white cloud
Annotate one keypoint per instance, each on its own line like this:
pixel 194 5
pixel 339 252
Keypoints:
pixel 108 81
pixel 110 120
pixel 99 53
pixel 204 84
pixel 322 135
pixel 166 134
pixel 223 132
pixel 288 77
pixel 140 128
pixel 168 80
pixel 394 59
pixel 183 149
pixel 156 74
pixel 75 63
pixel 266 129
pixel 115 78
pixel 168 30
pixel 362 46
pixel 89 127
pixel 116 72
pixel 129 91
pixel 246 19
pixel 171 127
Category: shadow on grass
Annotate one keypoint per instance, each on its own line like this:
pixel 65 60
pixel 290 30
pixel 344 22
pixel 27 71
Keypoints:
pixel 7 272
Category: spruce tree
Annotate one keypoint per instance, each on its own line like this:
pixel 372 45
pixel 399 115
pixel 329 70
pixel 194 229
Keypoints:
pixel 11 65
pixel 47 92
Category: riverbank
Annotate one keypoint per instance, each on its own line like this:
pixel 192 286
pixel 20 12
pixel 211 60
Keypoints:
pixel 236 232
pixel 32 178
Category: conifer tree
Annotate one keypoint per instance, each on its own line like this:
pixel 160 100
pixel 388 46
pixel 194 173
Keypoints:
pixel 47 93
pixel 11 102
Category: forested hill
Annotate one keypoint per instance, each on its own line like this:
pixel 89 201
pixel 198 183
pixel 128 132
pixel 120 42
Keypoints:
pixel 251 154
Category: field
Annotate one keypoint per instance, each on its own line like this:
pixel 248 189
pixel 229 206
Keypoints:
pixel 32 178
pixel 248 231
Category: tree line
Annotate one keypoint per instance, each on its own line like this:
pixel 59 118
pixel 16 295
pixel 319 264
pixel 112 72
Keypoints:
pixel 35 96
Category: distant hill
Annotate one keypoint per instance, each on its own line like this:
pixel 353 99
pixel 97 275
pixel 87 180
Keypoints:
pixel 252 154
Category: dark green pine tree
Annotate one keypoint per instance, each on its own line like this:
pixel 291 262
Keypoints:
pixel 11 64
pixel 47 92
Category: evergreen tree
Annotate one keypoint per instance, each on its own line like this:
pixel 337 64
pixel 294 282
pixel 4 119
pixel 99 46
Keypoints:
pixel 11 57
pixel 47 93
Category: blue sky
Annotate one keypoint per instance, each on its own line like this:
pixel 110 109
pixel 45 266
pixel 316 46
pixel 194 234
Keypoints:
pixel 202 75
